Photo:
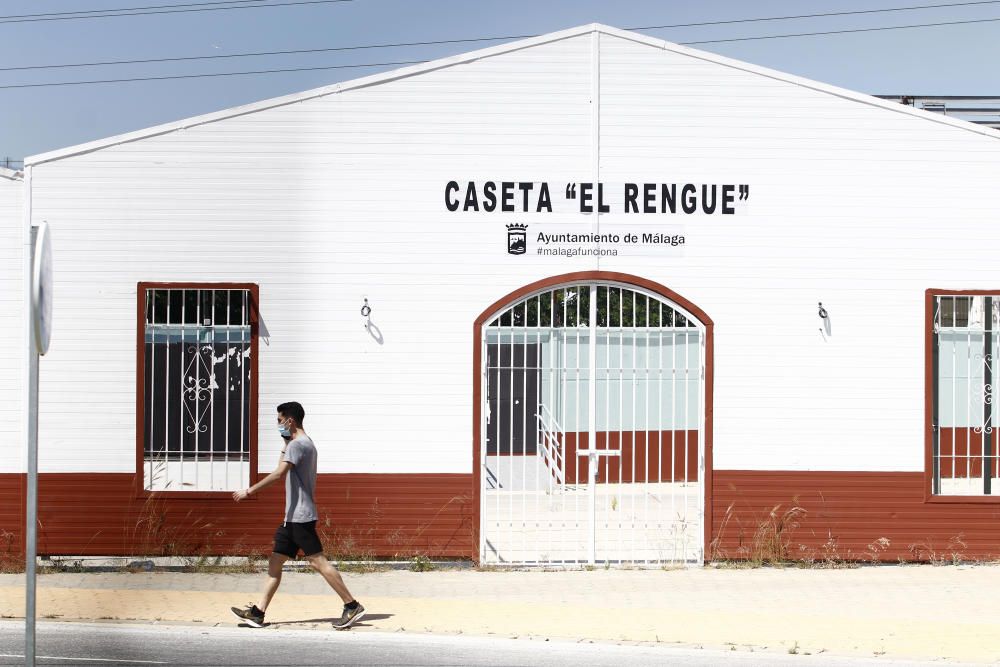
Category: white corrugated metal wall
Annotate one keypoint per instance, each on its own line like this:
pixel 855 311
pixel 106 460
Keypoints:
pixel 329 200
pixel 12 323
pixel 857 206
pixel 323 203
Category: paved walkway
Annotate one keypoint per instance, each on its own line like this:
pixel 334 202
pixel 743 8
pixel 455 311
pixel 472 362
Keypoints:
pixel 916 612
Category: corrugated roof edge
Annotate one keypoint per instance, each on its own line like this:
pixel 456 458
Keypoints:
pixel 479 54
pixel 10 173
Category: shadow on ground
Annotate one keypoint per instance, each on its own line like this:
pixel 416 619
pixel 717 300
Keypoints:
pixel 331 619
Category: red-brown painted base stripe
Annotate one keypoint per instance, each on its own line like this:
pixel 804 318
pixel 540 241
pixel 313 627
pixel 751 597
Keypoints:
pixel 847 515
pixel 879 516
pixel 360 516
pixel 11 518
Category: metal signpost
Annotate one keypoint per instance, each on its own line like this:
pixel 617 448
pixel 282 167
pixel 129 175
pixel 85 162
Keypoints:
pixel 38 344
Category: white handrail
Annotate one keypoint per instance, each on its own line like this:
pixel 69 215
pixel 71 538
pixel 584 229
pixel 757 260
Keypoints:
pixel 551 437
pixel 550 417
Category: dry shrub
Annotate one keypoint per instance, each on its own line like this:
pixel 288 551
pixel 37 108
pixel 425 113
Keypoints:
pixel 360 545
pixel 876 548
pixel 773 535
pixel 718 553
pixel 155 533
pixel 952 554
pixel 770 539
pixel 11 559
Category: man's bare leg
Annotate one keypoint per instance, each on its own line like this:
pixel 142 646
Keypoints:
pixel 274 564
pixel 332 576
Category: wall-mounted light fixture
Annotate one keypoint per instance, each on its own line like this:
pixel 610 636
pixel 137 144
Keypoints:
pixel 824 317
pixel 371 327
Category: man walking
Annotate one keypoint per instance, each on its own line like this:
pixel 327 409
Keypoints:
pixel 298 531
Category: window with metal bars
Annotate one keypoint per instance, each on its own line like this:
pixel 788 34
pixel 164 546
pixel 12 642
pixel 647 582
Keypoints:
pixel 963 434
pixel 199 384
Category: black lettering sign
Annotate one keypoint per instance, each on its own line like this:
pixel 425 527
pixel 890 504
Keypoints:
pixel 471 203
pixel 585 197
pixel 601 206
pixel 689 198
pixel 669 196
pixel 707 202
pixel 536 197
pixel 490 196
pixel 544 200
pixel 507 196
pixel 449 202
pixel 727 199
pixel 631 194
pixel 648 197
pixel 525 189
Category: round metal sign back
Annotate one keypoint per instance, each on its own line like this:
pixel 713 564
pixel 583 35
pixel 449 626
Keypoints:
pixel 41 289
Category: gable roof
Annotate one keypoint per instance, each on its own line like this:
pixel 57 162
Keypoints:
pixel 479 54
pixel 10 173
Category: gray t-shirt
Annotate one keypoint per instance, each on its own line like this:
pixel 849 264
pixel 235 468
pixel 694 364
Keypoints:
pixel 300 482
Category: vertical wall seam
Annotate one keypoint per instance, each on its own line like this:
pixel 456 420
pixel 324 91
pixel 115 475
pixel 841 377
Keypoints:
pixel 595 129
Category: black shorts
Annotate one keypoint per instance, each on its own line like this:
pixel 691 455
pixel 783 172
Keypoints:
pixel 290 537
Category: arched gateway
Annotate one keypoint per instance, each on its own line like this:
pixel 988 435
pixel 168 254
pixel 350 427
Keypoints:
pixel 593 423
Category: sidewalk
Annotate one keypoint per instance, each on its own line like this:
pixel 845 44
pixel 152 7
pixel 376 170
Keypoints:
pixel 917 612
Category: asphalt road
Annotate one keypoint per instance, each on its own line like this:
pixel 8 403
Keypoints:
pixel 121 645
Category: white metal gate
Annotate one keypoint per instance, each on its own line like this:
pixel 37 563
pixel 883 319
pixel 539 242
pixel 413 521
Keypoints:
pixel 592 434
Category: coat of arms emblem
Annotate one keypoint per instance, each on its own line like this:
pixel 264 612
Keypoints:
pixel 517 239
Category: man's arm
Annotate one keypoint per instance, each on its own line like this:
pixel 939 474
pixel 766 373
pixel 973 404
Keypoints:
pixel 278 474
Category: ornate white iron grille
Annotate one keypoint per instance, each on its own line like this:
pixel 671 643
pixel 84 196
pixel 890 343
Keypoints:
pixel 593 421
pixel 963 429
pixel 198 381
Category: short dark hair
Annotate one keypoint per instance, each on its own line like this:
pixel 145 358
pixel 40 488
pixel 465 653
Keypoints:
pixel 294 410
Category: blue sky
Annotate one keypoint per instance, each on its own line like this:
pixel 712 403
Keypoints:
pixel 956 60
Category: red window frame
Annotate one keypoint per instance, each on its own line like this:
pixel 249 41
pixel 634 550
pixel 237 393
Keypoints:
pixel 929 495
pixel 140 374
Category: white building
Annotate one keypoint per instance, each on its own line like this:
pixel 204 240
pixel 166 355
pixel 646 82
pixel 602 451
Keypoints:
pixel 775 292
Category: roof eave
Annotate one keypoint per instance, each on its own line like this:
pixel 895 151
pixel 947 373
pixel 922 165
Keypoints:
pixel 285 100
pixel 800 81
